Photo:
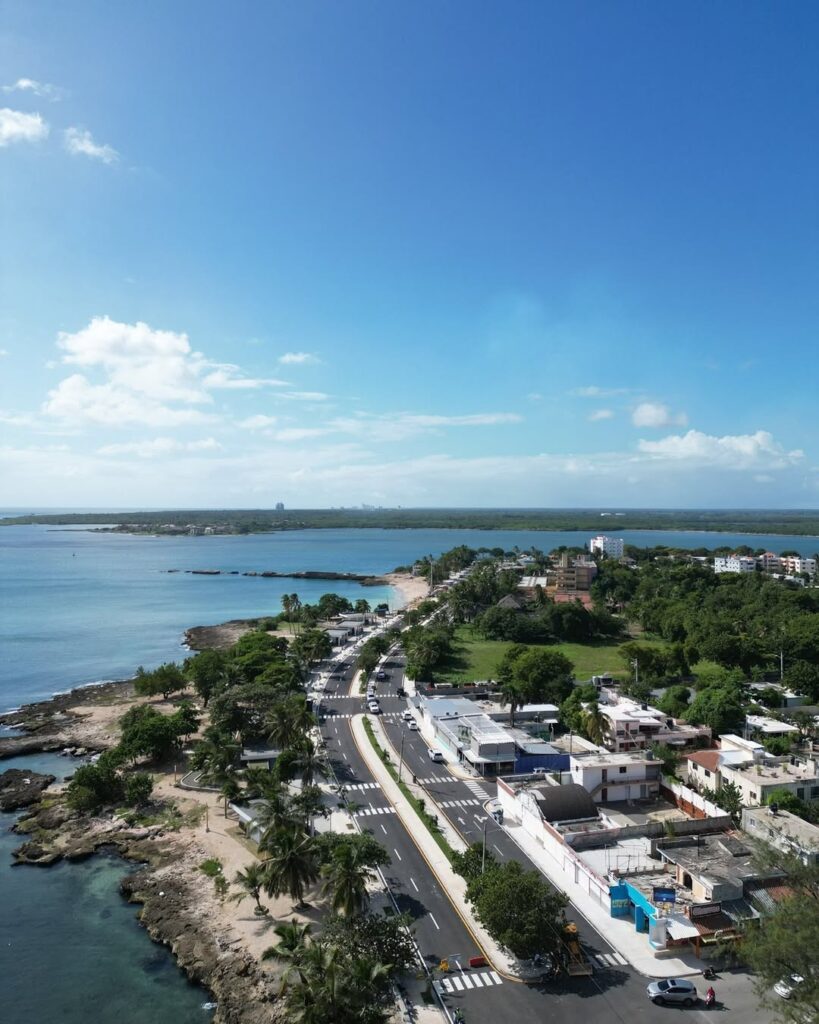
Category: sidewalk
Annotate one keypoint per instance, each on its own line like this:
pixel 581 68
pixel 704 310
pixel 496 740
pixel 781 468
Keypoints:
pixel 619 932
pixel 451 883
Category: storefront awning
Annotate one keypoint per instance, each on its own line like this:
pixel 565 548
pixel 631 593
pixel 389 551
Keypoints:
pixel 680 927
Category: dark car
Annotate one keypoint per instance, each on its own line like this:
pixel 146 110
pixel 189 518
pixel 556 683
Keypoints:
pixel 381 675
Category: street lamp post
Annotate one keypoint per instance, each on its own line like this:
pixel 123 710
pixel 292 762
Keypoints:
pixel 401 757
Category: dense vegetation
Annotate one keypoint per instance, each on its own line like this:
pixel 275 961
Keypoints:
pixel 795 522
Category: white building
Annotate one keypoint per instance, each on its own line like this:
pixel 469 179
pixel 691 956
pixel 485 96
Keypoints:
pixel 631 725
pixel 753 771
pixel 794 564
pixel 783 830
pixel 735 563
pixel 612 547
pixel 613 777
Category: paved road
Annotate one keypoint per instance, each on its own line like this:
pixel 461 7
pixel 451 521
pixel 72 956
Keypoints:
pixel 615 993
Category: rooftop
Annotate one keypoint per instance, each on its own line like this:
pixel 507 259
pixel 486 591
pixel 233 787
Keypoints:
pixel 771 772
pixel 726 857
pixel 569 802
pixel 709 759
pixel 783 826
pixel 770 726
pixel 591 759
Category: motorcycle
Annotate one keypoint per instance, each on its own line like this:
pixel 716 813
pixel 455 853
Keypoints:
pixel 710 998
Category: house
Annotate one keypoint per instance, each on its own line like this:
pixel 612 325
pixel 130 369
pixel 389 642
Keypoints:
pixel 614 777
pixel 783 830
pixel 788 699
pixel 756 780
pixel 762 725
pixel 510 603
pixel 631 725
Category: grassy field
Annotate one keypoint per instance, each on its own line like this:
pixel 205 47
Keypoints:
pixel 476 658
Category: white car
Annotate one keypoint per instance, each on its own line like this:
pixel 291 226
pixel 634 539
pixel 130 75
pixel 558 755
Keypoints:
pixel 786 986
pixel 374 707
pixel 436 755
pixel 412 725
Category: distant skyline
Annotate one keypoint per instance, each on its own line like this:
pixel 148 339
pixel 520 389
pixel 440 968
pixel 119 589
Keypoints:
pixel 549 256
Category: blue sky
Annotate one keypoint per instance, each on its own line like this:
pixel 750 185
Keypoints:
pixel 424 254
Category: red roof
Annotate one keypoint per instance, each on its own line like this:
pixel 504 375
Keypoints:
pixel 707 758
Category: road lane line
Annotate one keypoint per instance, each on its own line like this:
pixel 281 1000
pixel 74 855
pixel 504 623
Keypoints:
pixel 432 918
pixel 415 887
pixel 383 830
pixel 397 854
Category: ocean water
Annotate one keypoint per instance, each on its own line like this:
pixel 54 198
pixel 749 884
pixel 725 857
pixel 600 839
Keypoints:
pixel 78 607
pixel 71 949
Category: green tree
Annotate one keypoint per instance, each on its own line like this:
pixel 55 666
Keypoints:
pixel 721 709
pixel 518 909
pixel 292 865
pixel 373 936
pixel 473 861
pixel 346 877
pixel 786 941
pixel 166 679
pixel 206 671
pixel 594 723
pixel 250 882
pixel 137 788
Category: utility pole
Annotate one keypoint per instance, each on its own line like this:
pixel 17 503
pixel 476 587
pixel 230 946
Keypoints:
pixel 483 853
pixel 401 757
pixel 636 666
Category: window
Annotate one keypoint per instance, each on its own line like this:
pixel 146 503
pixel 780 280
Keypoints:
pixel 707 773
pixel 622 770
pixel 814 792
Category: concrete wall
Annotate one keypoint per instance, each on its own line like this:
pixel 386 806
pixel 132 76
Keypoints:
pixel 688 800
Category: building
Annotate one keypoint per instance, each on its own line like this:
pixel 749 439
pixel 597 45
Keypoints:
pixel 769 562
pixel 280 506
pixel 470 731
pixel 783 830
pixel 763 726
pixel 630 725
pixel 788 699
pixel 614 777
pixel 735 563
pixel 755 772
pixel 794 564
pixel 611 547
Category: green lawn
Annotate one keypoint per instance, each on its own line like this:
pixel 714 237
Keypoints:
pixel 476 658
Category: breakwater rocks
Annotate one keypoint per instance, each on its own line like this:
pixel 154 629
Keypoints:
pixel 306 574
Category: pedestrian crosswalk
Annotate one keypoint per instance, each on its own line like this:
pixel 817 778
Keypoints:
pixel 477 790
pixel 458 803
pixel 362 785
pixel 609 959
pixel 363 812
pixel 462 981
pixel 353 714
pixel 435 778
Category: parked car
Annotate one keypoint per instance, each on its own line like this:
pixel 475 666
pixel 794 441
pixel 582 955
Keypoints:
pixel 785 987
pixel 673 990
pixel 407 715
pixel 435 754
pixel 412 725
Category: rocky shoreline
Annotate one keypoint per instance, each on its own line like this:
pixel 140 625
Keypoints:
pixel 179 908
pixel 307 574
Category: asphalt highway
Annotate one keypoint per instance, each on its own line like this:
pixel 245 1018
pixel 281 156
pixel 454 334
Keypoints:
pixel 614 993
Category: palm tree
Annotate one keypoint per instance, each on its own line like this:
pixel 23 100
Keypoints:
pixel 345 879
pixel 287 608
pixel 309 762
pixel 292 866
pixel 275 814
pixel 293 940
pixel 214 757
pixel 251 882
pixel 290 721
pixel 229 791
pixel 510 694
pixel 594 723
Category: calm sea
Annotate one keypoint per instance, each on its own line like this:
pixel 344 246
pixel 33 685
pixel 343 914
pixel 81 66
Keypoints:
pixel 79 607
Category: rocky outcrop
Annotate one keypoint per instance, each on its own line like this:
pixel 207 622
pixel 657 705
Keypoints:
pixel 21 789
pixel 242 991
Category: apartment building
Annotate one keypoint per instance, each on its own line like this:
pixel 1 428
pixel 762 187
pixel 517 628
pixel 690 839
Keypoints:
pixel 783 830
pixel 795 564
pixel 755 772
pixel 612 547
pixel 735 563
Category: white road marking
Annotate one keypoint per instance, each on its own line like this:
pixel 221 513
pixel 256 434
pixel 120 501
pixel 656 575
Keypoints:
pixel 383 830
pixel 497 849
pixel 457 983
pixel 495 977
pixel 461 820
pixel 432 918
pixel 477 979
pixel 397 854
pixel 415 887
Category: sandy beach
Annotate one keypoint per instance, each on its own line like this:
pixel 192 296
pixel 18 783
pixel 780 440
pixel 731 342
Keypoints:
pixel 413 589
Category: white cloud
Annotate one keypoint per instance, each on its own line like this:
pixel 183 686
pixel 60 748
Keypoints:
pixel 257 422
pixel 43 89
pixel 76 400
pixel 535 396
pixel 733 451
pixel 3 352
pixel 228 377
pixel 80 142
pixel 305 396
pixel 593 391
pixel 15 126
pixel 300 433
pixel 600 414
pixel 655 414
pixel 159 446
pixel 298 358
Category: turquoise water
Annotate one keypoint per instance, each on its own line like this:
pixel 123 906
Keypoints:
pixel 71 949
pixel 78 607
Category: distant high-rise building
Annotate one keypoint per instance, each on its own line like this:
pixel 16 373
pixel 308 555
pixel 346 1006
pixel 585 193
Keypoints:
pixel 280 506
